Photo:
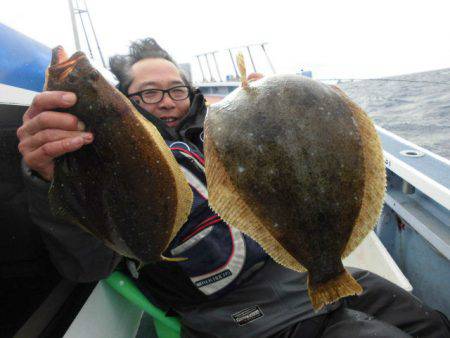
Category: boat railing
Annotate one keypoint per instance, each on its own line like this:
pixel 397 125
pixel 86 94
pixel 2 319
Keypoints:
pixel 418 189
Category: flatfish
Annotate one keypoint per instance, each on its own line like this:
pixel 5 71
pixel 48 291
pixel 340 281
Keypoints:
pixel 298 167
pixel 125 188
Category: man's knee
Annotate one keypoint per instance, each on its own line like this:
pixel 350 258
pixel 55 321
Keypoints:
pixel 363 328
pixel 376 287
pixel 346 322
pixel 390 303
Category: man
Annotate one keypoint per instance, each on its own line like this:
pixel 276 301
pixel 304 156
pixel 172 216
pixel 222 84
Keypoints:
pixel 228 287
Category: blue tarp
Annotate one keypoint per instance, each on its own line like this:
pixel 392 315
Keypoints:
pixel 23 61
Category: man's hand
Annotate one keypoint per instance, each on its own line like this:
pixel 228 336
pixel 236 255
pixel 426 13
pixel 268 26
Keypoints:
pixel 46 134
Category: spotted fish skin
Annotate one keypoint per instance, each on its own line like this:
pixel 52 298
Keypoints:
pixel 125 188
pixel 292 154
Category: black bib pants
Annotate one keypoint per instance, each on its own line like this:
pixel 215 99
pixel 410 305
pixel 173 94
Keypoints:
pixel 275 303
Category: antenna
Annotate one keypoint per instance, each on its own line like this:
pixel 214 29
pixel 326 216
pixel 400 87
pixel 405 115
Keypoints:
pixel 80 12
pixel 95 35
pixel 74 26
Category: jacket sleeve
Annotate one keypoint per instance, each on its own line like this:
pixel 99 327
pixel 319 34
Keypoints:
pixel 77 255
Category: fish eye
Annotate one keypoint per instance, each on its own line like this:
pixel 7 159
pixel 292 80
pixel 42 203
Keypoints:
pixel 71 77
pixel 94 76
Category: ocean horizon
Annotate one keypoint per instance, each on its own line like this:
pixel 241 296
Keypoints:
pixel 415 106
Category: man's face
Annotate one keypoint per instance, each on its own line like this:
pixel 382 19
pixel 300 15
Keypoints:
pixel 159 74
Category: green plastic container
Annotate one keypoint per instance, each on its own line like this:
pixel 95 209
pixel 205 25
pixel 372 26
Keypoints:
pixel 166 327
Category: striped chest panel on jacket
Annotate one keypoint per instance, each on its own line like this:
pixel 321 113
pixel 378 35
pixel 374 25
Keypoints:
pixel 216 253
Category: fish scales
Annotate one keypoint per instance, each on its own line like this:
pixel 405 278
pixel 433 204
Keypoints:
pixel 288 154
pixel 125 188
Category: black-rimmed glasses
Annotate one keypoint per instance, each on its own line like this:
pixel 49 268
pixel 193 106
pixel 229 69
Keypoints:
pixel 177 93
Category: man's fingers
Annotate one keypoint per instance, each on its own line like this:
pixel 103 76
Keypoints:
pixel 58 148
pixel 42 137
pixel 43 156
pixel 49 101
pixel 50 120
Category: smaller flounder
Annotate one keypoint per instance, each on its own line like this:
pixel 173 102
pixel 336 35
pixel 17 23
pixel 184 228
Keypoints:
pixel 125 188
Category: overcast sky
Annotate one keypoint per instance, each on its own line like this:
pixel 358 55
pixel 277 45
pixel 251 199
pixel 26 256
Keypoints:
pixel 334 39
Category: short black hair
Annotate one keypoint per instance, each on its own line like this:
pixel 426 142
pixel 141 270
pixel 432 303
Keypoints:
pixel 139 50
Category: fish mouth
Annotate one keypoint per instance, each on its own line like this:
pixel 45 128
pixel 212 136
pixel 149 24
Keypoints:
pixel 61 65
pixel 59 55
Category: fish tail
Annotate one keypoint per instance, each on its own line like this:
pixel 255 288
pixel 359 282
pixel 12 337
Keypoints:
pixel 342 285
pixel 242 69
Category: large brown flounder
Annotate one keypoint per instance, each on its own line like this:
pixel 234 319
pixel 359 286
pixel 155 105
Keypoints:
pixel 298 167
pixel 125 188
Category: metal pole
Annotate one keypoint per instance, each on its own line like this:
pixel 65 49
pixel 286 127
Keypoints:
pixel 217 65
pixel 95 35
pixel 74 26
pixel 209 68
pixel 267 56
pixel 234 65
pixel 251 59
pixel 80 12
pixel 201 68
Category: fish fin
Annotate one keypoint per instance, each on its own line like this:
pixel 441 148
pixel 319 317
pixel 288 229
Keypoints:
pixel 59 196
pixel 113 236
pixel 174 259
pixel 340 286
pixel 67 196
pixel 184 195
pixel 228 204
pixel 375 176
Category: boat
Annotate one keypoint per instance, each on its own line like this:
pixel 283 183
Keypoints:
pixel 410 245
